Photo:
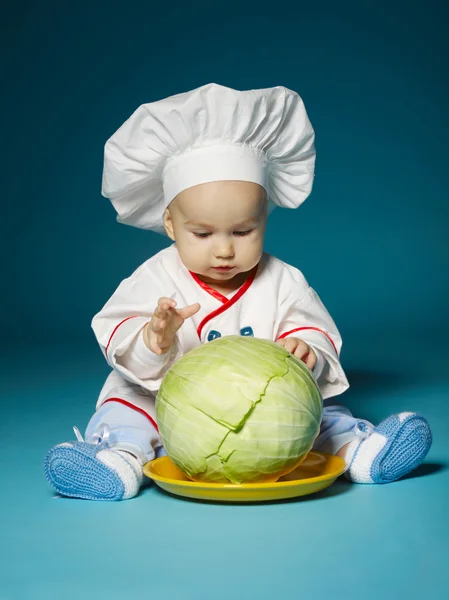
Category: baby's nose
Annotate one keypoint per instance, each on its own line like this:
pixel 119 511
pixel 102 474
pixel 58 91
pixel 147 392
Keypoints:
pixel 225 249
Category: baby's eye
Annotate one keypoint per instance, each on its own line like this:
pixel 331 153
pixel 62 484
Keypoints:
pixel 202 235
pixel 242 233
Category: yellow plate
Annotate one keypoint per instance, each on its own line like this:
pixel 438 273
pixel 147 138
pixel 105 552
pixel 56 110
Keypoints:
pixel 316 472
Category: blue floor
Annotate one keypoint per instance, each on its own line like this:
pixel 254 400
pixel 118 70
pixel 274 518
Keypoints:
pixel 347 542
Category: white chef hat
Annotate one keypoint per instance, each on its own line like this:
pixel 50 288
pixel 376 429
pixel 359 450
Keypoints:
pixel 212 133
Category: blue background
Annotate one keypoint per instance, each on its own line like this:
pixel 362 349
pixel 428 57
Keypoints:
pixel 372 240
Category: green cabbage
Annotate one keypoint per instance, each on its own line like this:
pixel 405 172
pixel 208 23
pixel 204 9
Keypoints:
pixel 238 409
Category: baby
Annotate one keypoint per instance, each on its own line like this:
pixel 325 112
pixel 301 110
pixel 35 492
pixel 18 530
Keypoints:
pixel 206 167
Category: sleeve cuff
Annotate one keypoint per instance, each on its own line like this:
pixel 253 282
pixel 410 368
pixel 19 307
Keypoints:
pixel 145 364
pixel 144 355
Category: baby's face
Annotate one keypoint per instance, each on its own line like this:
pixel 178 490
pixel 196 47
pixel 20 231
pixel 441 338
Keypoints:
pixel 219 224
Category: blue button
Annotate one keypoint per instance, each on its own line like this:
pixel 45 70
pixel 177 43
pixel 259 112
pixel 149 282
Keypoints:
pixel 247 331
pixel 213 335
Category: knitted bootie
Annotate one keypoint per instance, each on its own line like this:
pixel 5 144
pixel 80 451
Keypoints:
pixel 93 471
pixel 389 451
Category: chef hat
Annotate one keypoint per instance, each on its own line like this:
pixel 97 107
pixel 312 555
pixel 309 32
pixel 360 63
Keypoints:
pixel 212 133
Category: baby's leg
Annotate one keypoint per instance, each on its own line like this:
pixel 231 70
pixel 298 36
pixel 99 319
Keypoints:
pixel 379 454
pixel 128 430
pixel 107 465
pixel 338 428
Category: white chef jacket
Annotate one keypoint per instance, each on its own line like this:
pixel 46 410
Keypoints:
pixel 274 302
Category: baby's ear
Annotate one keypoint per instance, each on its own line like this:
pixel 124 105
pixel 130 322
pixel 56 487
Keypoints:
pixel 168 225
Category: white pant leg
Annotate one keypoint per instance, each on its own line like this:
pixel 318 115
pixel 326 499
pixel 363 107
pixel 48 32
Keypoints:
pixel 128 430
pixel 338 427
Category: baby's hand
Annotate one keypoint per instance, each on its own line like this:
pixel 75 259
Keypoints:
pixel 300 350
pixel 159 333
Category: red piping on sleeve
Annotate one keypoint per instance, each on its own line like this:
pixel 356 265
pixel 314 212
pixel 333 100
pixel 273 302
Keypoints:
pixel 284 335
pixel 140 410
pixel 112 334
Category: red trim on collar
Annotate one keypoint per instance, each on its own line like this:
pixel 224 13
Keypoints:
pixel 112 334
pixel 129 405
pixel 208 289
pixel 229 301
pixel 315 329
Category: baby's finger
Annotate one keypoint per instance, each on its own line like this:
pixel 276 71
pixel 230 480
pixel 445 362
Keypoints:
pixel 151 339
pixel 189 311
pixel 155 323
pixel 289 344
pixel 281 342
pixel 163 306
pixel 155 347
pixel 157 334
pixel 165 300
pixel 159 312
pixel 311 359
pixel 160 331
pixel 302 350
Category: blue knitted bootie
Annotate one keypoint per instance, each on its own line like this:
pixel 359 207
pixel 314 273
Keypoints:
pixel 389 451
pixel 93 471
